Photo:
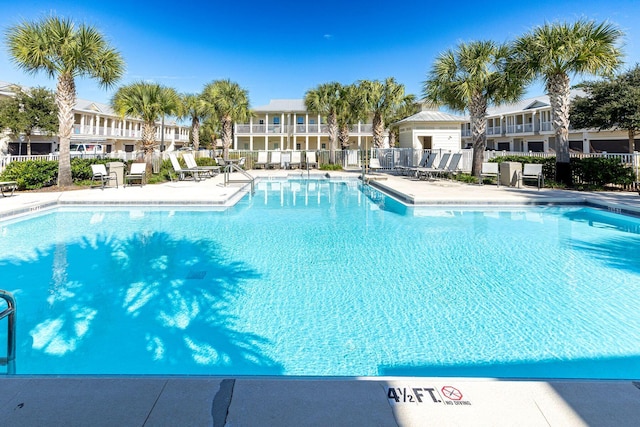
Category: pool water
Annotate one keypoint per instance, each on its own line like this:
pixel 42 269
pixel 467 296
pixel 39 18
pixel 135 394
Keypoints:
pixel 321 278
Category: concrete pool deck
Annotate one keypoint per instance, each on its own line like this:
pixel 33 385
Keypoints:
pixel 247 401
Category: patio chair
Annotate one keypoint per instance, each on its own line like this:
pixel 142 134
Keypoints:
pixel 183 172
pixel 296 159
pixel 262 160
pixel 276 159
pixel 137 172
pixel 101 175
pixel 310 159
pixel 6 186
pixel 532 171
pixel 451 168
pixel 425 163
pixel 426 173
pixel 205 170
pixel 490 169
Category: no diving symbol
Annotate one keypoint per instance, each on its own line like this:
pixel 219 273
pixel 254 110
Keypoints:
pixel 451 393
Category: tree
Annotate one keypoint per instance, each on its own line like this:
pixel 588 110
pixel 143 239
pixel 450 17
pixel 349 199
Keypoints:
pixel 469 79
pixel 553 52
pixel 324 100
pixel 610 105
pixel 60 48
pixel 349 110
pixel 194 108
pixel 381 100
pixel 149 102
pixel 228 103
pixel 29 111
pixel 408 107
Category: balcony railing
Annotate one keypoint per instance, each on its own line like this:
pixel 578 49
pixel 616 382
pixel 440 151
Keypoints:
pixel 298 129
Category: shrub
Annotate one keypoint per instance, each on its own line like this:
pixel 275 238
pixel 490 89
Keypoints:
pixel 330 167
pixel 600 171
pixel 32 174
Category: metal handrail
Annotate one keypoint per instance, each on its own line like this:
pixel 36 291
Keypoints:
pixel 230 167
pixel 9 312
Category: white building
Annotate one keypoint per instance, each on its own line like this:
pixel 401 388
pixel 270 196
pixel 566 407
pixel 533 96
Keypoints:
pixel 431 129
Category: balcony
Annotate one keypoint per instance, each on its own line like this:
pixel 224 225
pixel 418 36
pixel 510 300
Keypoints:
pixel 494 130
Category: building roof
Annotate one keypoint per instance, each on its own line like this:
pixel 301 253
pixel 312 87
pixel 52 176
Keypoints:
pixel 282 106
pixel 432 116
pixel 541 101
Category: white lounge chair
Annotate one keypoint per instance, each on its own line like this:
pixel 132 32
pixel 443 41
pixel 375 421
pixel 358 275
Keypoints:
pixel 276 159
pixel 137 172
pixel 296 159
pixel 310 159
pixel 532 171
pixel 490 169
pixel 101 175
pixel 183 172
pixel 8 186
pixel 205 170
pixel 262 160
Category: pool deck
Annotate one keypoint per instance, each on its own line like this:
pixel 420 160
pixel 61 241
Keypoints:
pixel 249 401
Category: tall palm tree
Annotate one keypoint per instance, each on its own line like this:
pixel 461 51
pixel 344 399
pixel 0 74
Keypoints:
pixel 149 102
pixel 60 48
pixel 229 103
pixel 553 52
pixel 349 111
pixel 468 79
pixel 381 99
pixel 323 100
pixel 195 108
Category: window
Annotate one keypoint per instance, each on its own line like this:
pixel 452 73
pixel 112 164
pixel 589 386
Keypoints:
pixel 312 121
pixel 276 120
pixel 298 146
pixel 300 120
pixel 276 145
pixel 323 146
pixel 128 148
pixel 261 122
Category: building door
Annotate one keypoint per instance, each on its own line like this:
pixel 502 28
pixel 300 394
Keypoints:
pixel 426 143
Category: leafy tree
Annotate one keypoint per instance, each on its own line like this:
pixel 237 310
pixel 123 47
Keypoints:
pixel 381 100
pixel 28 112
pixel 66 51
pixel 324 100
pixel 228 103
pixel 469 79
pixel 193 108
pixel 149 102
pixel 610 104
pixel 553 52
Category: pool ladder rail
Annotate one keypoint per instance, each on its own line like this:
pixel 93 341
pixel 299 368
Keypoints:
pixel 233 167
pixel 10 313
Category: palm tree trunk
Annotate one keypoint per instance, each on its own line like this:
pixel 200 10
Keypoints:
pixel 28 136
pixel 227 135
pixel 378 131
pixel 195 132
pixel 65 100
pixel 558 86
pixel 333 137
pixel 148 144
pixel 632 141
pixel 478 111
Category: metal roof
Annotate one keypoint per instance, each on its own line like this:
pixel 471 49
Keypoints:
pixel 282 106
pixel 433 116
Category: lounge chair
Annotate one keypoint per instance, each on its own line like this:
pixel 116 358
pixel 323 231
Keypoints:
pixel 6 186
pixel 532 171
pixel 425 163
pixel 296 159
pixel 101 175
pixel 451 168
pixel 490 169
pixel 310 159
pixel 137 172
pixel 262 160
pixel 276 159
pixel 183 172
pixel 205 170
pixel 426 173
pixel 374 165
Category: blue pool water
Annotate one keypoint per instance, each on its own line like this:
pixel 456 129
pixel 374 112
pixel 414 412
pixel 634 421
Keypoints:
pixel 319 278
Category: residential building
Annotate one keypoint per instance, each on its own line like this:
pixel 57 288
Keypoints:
pixel 431 129
pixel 285 124
pixel 97 123
pixel 527 126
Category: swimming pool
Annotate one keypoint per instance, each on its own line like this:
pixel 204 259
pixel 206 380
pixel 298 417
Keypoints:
pixel 318 278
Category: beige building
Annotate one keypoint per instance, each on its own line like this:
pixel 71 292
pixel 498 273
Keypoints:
pixel 527 126
pixel 431 129
pixel 96 124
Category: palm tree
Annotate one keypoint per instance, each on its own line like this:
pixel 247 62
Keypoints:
pixel 408 107
pixel 323 100
pixel 381 99
pixel 349 110
pixel 60 48
pixel 553 52
pixel 229 103
pixel 149 102
pixel 470 78
pixel 195 108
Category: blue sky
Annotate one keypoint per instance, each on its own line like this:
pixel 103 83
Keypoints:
pixel 282 49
